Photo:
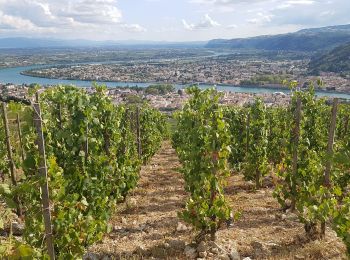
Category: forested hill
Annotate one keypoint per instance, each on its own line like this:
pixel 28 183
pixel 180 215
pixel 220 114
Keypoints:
pixel 337 60
pixel 304 40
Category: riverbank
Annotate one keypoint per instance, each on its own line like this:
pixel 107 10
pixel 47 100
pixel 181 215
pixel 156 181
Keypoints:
pixel 177 72
pixel 14 76
pixel 275 87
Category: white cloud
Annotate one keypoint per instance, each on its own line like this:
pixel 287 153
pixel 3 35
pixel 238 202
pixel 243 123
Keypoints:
pixel 90 11
pixel 12 22
pixel 73 17
pixel 231 26
pixel 205 23
pixel 222 6
pixel 224 2
pixel 260 18
pixel 279 13
pixel 46 13
pixel 301 2
pixel 315 13
pixel 288 4
pixel 122 19
pixel 133 28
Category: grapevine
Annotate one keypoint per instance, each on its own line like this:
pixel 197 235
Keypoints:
pixel 92 164
pixel 202 142
pixel 256 165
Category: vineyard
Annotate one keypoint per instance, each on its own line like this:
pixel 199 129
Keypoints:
pixel 89 178
pixel 303 148
pixel 78 156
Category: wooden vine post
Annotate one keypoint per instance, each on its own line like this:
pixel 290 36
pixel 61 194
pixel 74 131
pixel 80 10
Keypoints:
pixel 213 186
pixel 346 125
pixel 270 126
pixel 19 130
pixel 327 172
pixel 43 175
pixel 138 132
pixel 248 134
pixel 107 143
pixel 127 122
pixel 60 116
pixel 10 157
pixel 86 148
pixel 296 134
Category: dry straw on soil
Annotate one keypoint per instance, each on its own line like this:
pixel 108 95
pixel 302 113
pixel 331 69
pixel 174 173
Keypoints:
pixel 146 226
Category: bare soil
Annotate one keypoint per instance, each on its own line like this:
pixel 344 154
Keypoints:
pixel 146 226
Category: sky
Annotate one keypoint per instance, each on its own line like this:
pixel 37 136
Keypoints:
pixel 165 20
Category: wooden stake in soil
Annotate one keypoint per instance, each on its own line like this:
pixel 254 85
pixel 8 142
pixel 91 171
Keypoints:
pixel 86 148
pixel 213 187
pixel 296 133
pixel 248 134
pixel 331 134
pixel 9 146
pixel 10 157
pixel 19 130
pixel 346 125
pixel 107 143
pixel 127 122
pixel 43 175
pixel 60 116
pixel 327 172
pixel 138 132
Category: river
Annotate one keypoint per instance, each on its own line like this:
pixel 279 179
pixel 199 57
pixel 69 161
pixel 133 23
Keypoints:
pixel 13 75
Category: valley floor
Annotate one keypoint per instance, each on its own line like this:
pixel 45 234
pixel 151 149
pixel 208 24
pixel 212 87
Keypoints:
pixel 146 226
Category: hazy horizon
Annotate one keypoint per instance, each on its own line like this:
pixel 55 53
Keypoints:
pixel 165 20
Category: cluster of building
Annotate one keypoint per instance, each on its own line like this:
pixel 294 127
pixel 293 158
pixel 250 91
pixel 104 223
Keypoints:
pixel 209 71
pixel 332 81
pixel 12 90
pixel 168 102
pixel 175 100
pixel 213 70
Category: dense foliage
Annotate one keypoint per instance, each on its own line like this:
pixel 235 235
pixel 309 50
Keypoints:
pixel 93 162
pixel 3 161
pixel 202 143
pixel 265 79
pixel 336 60
pixel 255 166
pixel 278 133
pixel 237 121
pixel 160 89
pixel 291 146
pixel 153 129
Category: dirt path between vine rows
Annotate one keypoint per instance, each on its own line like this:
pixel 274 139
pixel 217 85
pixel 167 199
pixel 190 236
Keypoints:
pixel 148 218
pixel 146 226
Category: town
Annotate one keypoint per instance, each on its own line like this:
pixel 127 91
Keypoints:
pixel 211 71
pixel 167 102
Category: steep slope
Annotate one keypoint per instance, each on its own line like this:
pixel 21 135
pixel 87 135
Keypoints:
pixel 305 40
pixel 337 60
pixel 147 225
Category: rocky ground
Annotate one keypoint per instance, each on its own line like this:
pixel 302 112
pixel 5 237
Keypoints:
pixel 147 227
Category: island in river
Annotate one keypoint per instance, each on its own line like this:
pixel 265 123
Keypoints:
pixel 209 71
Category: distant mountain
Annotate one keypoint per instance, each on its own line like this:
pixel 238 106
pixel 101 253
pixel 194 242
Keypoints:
pixel 337 60
pixel 314 39
pixel 24 43
pixel 335 28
